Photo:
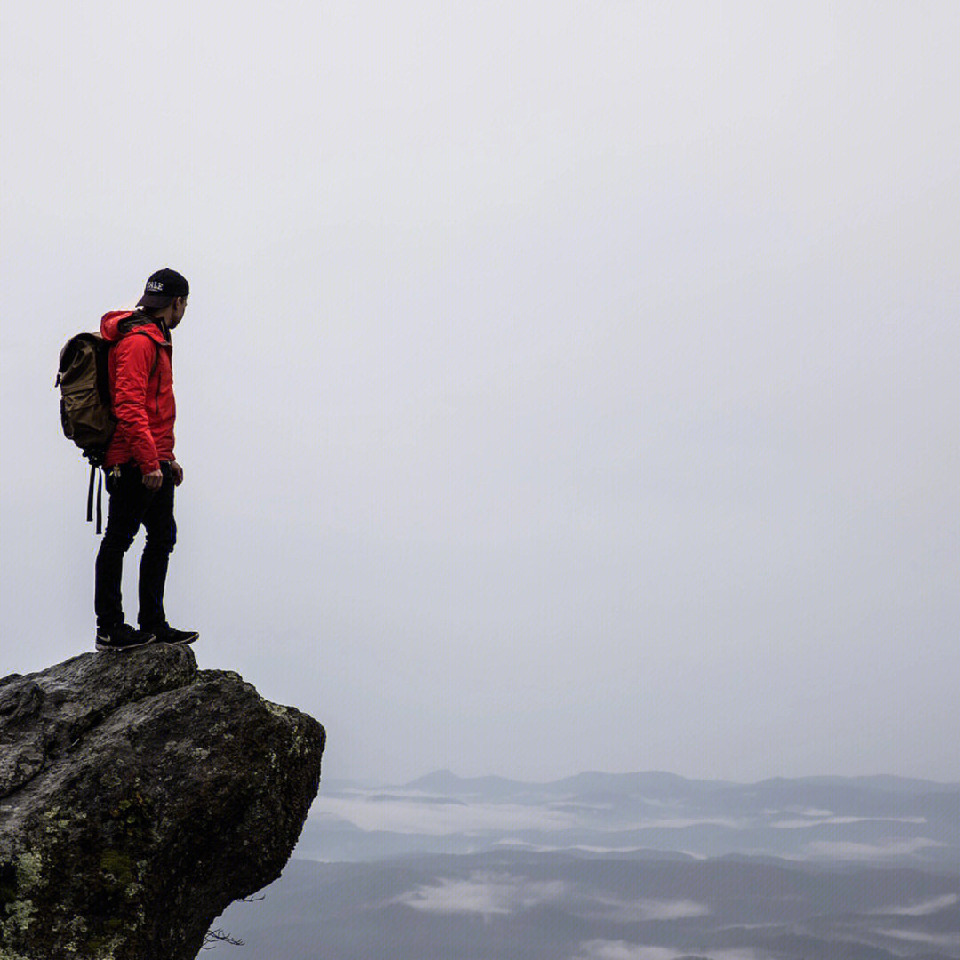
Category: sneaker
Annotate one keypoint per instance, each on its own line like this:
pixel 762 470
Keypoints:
pixel 123 637
pixel 167 634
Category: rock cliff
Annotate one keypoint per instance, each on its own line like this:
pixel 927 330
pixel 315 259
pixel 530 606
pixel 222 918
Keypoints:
pixel 139 796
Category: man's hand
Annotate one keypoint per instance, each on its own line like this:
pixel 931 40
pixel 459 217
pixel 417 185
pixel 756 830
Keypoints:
pixel 177 473
pixel 154 480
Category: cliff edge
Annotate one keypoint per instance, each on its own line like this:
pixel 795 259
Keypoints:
pixel 139 796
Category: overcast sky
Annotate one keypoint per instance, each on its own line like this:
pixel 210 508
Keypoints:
pixel 564 386
pixel 799 391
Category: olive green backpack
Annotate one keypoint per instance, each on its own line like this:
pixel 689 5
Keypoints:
pixel 86 412
pixel 86 415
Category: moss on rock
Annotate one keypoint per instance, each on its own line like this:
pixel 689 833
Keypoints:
pixel 166 793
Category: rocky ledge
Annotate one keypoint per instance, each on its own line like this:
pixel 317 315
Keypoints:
pixel 139 796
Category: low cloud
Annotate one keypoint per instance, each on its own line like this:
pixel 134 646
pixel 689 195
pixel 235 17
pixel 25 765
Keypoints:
pixel 484 892
pixel 801 824
pixel 415 817
pixel 672 909
pixel 516 843
pixel 488 893
pixel 736 954
pixel 848 850
pixel 621 950
pixel 946 940
pixel 922 909
pixel 679 824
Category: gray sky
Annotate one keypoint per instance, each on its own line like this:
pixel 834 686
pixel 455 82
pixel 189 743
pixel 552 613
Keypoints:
pixel 799 387
pixel 456 271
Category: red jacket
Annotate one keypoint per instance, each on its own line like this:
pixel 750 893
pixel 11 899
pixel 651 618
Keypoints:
pixel 141 386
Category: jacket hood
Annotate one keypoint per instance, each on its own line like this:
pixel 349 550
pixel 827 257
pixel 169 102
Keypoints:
pixel 111 326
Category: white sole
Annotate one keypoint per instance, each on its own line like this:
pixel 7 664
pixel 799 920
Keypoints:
pixel 104 647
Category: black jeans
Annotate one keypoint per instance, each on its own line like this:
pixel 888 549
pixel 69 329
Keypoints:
pixel 132 504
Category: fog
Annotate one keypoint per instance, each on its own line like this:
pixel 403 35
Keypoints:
pixel 563 386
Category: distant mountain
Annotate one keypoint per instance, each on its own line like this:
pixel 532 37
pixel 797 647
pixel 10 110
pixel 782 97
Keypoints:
pixel 447 783
pixel 882 819
pixel 663 785
pixel 885 782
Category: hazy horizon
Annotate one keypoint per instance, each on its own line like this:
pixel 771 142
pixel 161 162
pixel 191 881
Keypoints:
pixel 615 773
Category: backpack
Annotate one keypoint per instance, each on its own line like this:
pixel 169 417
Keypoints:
pixel 86 411
pixel 86 415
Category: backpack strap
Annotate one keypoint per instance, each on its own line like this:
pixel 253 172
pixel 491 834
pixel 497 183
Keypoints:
pixel 134 331
pixel 156 356
pixel 95 470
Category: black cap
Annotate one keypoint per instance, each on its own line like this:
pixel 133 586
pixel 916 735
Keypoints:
pixel 163 287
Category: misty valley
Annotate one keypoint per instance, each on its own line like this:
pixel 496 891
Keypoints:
pixel 617 867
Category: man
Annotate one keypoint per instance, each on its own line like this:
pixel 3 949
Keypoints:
pixel 140 468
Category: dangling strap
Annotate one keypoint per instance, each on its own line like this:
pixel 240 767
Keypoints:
pixel 99 501
pixel 95 470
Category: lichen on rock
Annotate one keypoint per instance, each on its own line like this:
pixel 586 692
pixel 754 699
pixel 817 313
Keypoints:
pixel 139 797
